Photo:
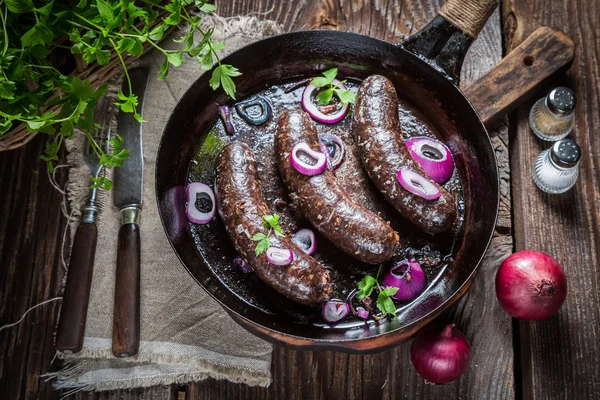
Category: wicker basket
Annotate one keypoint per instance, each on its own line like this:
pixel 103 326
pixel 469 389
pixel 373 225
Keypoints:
pixel 94 73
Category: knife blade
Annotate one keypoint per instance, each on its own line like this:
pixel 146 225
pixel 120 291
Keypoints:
pixel 128 197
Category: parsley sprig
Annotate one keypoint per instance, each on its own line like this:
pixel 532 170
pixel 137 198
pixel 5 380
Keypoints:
pixel 385 304
pixel 272 223
pixel 31 80
pixel 325 96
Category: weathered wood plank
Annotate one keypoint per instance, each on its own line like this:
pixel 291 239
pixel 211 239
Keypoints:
pixel 561 355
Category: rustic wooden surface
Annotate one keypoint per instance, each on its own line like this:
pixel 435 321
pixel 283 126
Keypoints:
pixel 560 357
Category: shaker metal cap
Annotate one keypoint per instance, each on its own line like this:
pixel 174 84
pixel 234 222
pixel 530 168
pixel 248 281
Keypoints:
pixel 565 153
pixel 561 100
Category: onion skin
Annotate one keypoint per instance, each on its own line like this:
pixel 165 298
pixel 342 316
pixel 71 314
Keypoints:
pixel 440 355
pixel 410 280
pixel 531 285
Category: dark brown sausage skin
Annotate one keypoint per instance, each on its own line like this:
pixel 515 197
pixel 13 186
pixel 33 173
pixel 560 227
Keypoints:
pixel 383 153
pixel 349 226
pixel 242 206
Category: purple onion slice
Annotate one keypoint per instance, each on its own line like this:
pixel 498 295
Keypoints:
pixel 408 277
pixel 306 240
pixel 335 311
pixel 314 112
pixel 433 156
pixel 417 184
pixel 278 256
pixel 319 160
pixel 194 215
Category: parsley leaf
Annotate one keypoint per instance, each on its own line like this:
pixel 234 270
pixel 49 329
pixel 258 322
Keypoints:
pixel 385 304
pixel 262 246
pixel 365 287
pixel 325 96
pixel 259 236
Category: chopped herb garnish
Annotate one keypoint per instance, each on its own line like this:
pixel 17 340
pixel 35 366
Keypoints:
pixel 385 304
pixel 326 81
pixel 271 222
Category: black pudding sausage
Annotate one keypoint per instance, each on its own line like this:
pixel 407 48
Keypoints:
pixel 376 128
pixel 242 207
pixel 345 223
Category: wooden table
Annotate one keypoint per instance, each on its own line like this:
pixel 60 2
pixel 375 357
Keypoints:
pixel 551 359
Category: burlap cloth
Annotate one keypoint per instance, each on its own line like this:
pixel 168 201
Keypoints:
pixel 185 334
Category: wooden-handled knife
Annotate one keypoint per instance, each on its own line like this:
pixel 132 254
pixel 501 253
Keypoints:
pixel 127 196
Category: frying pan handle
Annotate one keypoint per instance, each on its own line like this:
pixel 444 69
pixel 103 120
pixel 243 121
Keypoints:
pixel 446 39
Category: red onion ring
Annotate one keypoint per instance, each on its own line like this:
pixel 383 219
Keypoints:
pixel 225 112
pixel 243 265
pixel 417 184
pixel 325 150
pixel 410 280
pixel 304 167
pixel 335 311
pixel 362 313
pixel 278 256
pixel 313 110
pixel 306 240
pixel 433 156
pixel 193 214
pixel 339 155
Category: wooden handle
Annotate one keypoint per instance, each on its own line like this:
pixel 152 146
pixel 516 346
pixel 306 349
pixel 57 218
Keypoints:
pixel 126 322
pixel 73 313
pixel 516 77
pixel 468 15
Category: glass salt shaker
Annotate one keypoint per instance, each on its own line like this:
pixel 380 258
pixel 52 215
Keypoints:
pixel 555 170
pixel 551 117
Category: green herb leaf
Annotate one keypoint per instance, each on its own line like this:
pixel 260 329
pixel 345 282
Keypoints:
pixel 39 34
pixel 389 291
pixel 259 236
pixel 365 287
pixel 385 304
pixel 105 10
pixel 157 32
pixel 262 246
pixel 330 74
pixel 320 81
pixel 19 6
pixel 175 58
pixel 47 9
pixel 272 220
pixel 345 96
pixel 324 97
pixel 278 231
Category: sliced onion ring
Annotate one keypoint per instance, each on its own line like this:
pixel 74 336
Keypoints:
pixel 334 311
pixel 433 156
pixel 305 239
pixel 242 265
pixel 325 150
pixel 193 214
pixel 225 112
pixel 338 157
pixel 278 256
pixel 314 112
pixel 320 161
pixel 417 184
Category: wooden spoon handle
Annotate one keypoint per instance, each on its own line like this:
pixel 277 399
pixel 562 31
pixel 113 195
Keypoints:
pixel 126 319
pixel 73 313
pixel 520 73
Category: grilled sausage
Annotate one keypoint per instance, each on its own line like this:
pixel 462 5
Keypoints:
pixel 383 153
pixel 349 226
pixel 242 207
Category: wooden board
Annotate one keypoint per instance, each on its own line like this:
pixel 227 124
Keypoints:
pixel 561 355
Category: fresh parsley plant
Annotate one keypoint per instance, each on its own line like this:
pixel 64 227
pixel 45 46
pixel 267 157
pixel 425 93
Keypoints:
pixel 272 223
pixel 325 96
pixel 385 304
pixel 32 81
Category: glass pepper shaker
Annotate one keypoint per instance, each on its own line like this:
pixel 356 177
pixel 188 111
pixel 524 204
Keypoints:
pixel 555 170
pixel 551 117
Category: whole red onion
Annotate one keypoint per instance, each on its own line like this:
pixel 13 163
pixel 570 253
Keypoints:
pixel 531 285
pixel 440 355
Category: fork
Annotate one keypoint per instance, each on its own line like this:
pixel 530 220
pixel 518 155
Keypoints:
pixel 73 313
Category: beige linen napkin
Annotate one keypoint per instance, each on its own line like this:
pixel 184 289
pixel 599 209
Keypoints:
pixel 185 334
